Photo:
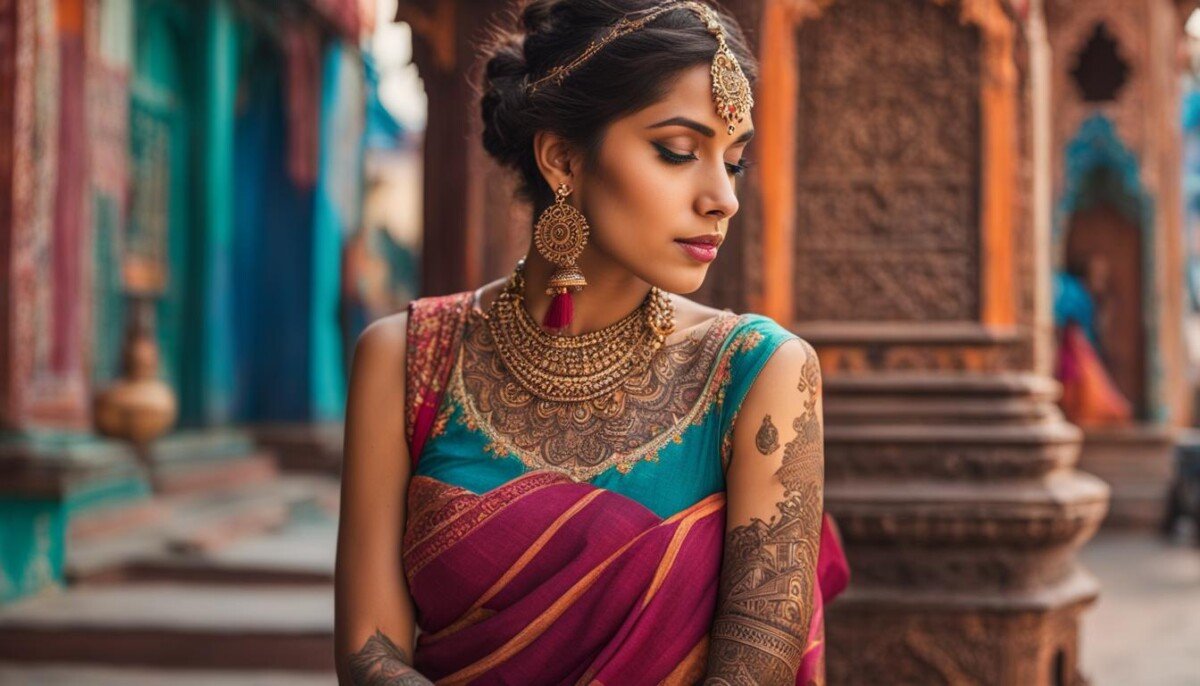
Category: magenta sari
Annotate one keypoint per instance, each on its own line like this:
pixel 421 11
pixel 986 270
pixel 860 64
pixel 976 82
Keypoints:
pixel 549 581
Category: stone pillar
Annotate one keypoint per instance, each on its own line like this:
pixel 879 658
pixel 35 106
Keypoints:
pixel 898 235
pixel 45 231
pixel 1116 173
pixel 473 232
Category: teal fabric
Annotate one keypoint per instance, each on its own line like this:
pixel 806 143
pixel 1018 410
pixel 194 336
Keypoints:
pixel 684 472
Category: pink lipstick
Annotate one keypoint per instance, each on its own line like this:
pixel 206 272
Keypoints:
pixel 701 248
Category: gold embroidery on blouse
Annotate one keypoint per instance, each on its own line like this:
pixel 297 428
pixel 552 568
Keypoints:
pixel 583 439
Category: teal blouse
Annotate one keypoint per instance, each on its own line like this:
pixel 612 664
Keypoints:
pixel 671 472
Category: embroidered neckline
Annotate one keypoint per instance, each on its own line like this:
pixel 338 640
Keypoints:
pixel 711 396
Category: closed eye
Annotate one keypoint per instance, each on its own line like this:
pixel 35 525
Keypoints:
pixel 671 157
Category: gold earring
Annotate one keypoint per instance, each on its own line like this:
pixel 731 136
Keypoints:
pixel 559 236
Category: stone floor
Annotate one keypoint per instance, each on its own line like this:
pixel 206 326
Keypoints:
pixel 1145 628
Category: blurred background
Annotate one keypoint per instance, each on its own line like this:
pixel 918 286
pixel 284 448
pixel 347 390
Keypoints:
pixel 984 214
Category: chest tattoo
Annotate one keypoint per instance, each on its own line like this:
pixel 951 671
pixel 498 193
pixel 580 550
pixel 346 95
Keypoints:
pixel 582 439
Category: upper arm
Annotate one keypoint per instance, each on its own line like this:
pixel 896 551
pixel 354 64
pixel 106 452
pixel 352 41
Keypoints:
pixel 778 439
pixel 370 589
pixel 774 504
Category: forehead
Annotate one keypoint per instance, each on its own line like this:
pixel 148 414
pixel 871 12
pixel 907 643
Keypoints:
pixel 690 95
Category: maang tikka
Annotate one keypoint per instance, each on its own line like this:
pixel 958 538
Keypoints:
pixel 731 89
pixel 559 236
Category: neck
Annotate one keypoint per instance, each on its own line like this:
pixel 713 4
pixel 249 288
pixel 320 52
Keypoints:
pixel 612 292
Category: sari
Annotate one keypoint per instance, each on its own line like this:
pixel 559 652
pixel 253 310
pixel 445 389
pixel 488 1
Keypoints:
pixel 1090 397
pixel 546 580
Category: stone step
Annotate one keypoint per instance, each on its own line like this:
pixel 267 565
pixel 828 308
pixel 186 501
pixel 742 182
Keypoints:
pixel 182 626
pixel 301 552
pixel 196 527
pixel 115 520
pixel 199 476
pixel 303 447
pixel 172 475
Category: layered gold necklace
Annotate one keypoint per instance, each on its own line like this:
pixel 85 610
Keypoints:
pixel 575 368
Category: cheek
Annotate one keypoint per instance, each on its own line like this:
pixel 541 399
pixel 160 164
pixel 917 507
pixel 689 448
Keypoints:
pixel 634 203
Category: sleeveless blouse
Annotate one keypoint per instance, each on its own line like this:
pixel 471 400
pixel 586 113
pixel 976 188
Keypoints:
pixel 478 444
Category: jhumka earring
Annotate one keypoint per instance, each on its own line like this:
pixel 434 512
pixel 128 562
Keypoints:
pixel 559 236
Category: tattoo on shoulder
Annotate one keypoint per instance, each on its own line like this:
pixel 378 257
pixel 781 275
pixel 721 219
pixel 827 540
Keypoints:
pixel 768 576
pixel 767 438
pixel 382 663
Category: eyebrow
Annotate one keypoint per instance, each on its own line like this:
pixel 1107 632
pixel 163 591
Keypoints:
pixel 698 127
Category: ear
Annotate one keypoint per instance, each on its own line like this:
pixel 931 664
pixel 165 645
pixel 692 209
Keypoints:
pixel 555 159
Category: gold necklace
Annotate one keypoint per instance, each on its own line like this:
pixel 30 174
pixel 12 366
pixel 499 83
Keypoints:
pixel 575 368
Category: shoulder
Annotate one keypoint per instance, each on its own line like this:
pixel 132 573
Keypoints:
pixel 377 369
pixel 792 360
pixel 768 359
pixel 756 340
pixel 757 351
pixel 383 340
pixel 387 341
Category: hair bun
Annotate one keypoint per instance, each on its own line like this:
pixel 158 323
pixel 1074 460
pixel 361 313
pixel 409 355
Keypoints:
pixel 536 15
pixel 503 98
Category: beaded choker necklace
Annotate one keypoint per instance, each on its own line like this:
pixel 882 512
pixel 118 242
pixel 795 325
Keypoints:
pixel 575 368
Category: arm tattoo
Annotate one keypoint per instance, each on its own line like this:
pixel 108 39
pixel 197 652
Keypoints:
pixel 761 626
pixel 382 663
pixel 767 438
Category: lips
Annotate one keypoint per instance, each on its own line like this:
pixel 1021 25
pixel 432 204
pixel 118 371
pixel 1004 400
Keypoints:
pixel 713 239
pixel 697 250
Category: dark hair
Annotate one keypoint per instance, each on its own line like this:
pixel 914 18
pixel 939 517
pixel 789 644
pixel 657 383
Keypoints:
pixel 630 73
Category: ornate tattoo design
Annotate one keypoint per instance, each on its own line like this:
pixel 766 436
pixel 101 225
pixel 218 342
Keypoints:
pixel 583 439
pixel 760 631
pixel 767 438
pixel 382 663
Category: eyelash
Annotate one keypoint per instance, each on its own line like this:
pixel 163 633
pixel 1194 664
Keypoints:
pixel 675 158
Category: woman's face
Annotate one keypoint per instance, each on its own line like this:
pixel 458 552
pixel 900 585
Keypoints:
pixel 665 176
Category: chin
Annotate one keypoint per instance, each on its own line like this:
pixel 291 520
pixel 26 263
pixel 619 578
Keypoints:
pixel 682 281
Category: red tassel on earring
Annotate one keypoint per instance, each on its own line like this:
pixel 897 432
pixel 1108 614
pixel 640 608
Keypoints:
pixel 561 312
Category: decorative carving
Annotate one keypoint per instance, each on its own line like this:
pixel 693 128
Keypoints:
pixel 991 647
pixel 1071 25
pixel 941 358
pixel 888 164
pixel 961 570
pixel 965 523
pixel 1099 71
pixel 848 460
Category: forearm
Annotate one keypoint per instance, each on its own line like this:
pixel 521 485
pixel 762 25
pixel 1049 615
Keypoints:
pixel 380 662
pixel 760 630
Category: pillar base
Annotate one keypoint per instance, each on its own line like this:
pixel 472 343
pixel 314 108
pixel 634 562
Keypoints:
pixel 962 514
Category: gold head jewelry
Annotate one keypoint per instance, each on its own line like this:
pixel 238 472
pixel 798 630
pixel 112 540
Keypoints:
pixel 575 368
pixel 730 87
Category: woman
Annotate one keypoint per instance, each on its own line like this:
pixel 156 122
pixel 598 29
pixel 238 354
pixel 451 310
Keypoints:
pixel 596 480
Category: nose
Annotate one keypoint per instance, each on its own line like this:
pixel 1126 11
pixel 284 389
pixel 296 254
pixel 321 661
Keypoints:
pixel 717 199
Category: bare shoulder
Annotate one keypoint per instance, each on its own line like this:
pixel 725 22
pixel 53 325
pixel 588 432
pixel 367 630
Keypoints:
pixel 383 338
pixel 793 366
pixel 378 366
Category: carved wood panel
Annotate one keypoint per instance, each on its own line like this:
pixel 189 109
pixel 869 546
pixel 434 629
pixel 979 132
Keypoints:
pixel 888 164
pixel 1071 24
